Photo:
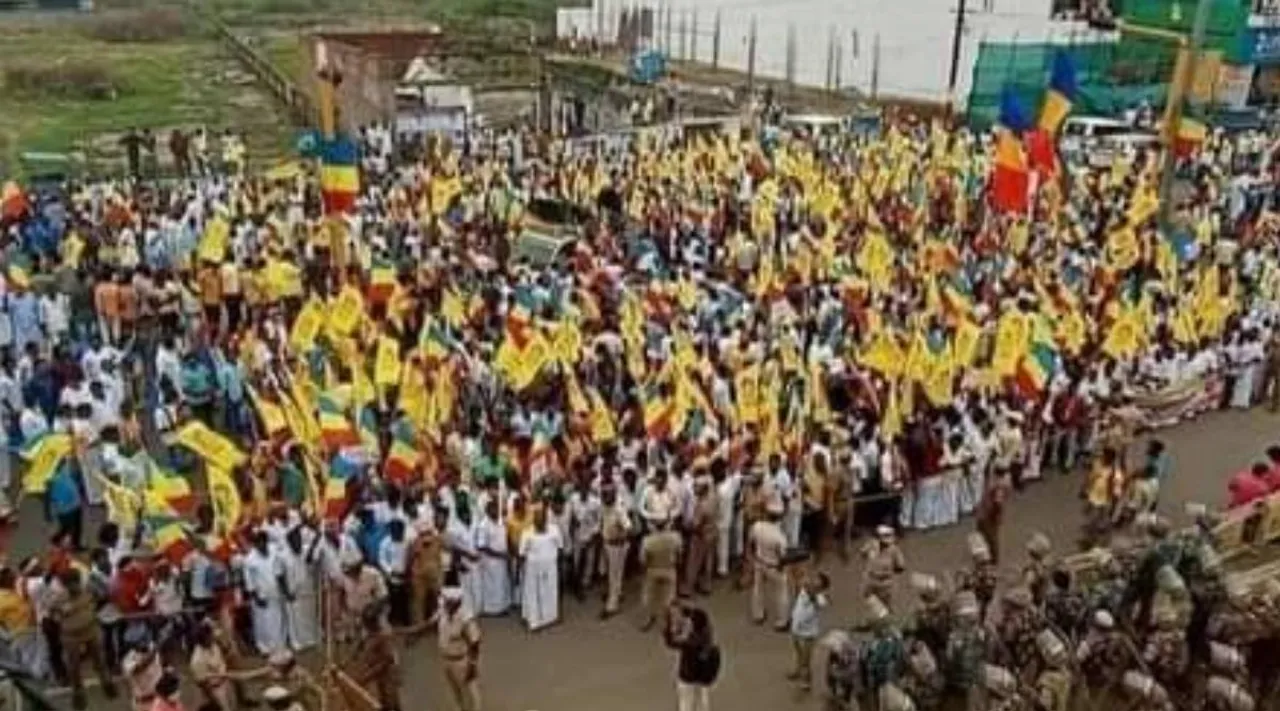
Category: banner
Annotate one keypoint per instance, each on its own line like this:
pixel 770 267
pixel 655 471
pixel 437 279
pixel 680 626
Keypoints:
pixel 225 497
pixel 43 458
pixel 1168 406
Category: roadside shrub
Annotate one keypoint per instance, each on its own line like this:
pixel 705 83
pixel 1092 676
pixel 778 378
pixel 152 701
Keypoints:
pixel 158 24
pixel 62 80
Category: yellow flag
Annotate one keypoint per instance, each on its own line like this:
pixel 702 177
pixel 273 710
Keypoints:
pixel 965 348
pixel 876 260
pixel 1124 338
pixel 883 354
pixel 43 459
pixel 209 445
pixel 386 364
pixel 603 429
pixel 1011 343
pixel 566 342
pixel 346 312
pixel 272 415
pixel 891 424
pixel 225 498
pixel 452 308
pixel 307 326
pixel 747 385
pixel 122 504
pixel 213 243
pixel 1071 332
pixel 1122 250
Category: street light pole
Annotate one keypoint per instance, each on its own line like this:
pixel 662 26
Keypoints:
pixel 1186 72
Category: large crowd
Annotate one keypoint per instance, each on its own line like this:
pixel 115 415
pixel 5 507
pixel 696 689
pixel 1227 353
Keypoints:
pixel 308 426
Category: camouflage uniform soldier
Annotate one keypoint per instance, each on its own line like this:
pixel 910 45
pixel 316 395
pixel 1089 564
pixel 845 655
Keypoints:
pixel 1035 574
pixel 1264 653
pixel 1019 624
pixel 1232 622
pixel 1223 694
pixel 1064 605
pixel 1227 661
pixel 1171 592
pixel 1002 687
pixel 1163 552
pixel 923 681
pixel 1103 653
pixel 1167 654
pixel 1145 693
pixel 884 654
pixel 932 620
pixel 842 670
pixel 1053 685
pixel 966 652
pixel 981 579
pixel 1107 591
pixel 891 698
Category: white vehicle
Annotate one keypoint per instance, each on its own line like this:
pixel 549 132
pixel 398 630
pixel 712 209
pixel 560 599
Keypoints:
pixel 1096 140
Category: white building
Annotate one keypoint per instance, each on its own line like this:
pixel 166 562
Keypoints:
pixel 914 37
pixel 429 102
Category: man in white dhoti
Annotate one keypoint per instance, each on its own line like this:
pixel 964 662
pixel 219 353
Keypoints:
pixel 540 549
pixel 495 578
pixel 300 580
pixel 264 582
pixel 728 514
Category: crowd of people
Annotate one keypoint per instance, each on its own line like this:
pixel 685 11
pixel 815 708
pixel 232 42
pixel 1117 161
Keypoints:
pixel 758 345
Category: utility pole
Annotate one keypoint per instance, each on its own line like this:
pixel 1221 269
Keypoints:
pixel 684 35
pixel 875 66
pixel 1173 111
pixel 715 43
pixel 957 38
pixel 751 60
pixel 838 61
pixel 831 58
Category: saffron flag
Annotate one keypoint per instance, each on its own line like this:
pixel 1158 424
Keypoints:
pixel 1063 88
pixel 339 176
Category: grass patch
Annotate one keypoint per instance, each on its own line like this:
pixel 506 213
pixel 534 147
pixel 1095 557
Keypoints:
pixel 154 24
pixel 159 84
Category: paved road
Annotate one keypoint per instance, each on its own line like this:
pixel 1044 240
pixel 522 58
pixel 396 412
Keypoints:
pixel 583 663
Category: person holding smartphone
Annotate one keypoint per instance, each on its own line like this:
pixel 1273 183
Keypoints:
pixel 688 631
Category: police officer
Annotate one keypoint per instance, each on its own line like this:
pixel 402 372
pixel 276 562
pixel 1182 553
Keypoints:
pixel 893 698
pixel 932 620
pixel 375 664
pixel 660 553
pixel 767 548
pixel 76 613
pixel 884 561
pixel 459 640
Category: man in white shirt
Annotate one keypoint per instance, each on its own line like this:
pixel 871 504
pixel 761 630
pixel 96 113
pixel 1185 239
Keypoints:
pixel 393 560
pixel 585 517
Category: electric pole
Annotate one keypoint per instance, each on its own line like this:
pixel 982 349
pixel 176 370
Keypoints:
pixel 956 38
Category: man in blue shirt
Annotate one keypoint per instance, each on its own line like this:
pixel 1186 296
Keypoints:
pixel 63 505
